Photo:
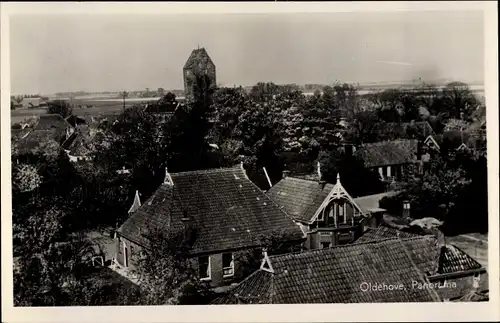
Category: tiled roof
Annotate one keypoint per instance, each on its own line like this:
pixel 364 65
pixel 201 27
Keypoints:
pixel 227 211
pixel 198 56
pixel 382 232
pixel 300 198
pixel 453 259
pixel 51 121
pixel 335 275
pixel 79 144
pixel 385 153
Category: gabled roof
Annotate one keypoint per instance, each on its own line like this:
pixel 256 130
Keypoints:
pixel 386 153
pixel 452 139
pixel 453 260
pixel 51 121
pixel 302 198
pixel 335 275
pixel 198 59
pixel 225 208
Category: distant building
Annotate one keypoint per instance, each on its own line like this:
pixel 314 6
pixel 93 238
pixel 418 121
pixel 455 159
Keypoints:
pixel 198 63
pixel 389 158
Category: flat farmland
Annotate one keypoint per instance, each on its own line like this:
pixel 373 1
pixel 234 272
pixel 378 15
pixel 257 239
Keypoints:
pixel 99 106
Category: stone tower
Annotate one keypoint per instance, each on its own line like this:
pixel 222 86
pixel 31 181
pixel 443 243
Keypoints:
pixel 198 63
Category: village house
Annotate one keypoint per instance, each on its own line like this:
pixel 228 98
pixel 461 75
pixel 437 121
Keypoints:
pixel 371 272
pixel 459 276
pixel 47 127
pixel 390 158
pixel 228 213
pixel 78 146
pixel 198 63
pixel 420 268
pixel 326 212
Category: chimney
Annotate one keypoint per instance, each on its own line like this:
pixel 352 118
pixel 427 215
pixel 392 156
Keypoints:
pixel 320 176
pixel 406 209
pixel 285 173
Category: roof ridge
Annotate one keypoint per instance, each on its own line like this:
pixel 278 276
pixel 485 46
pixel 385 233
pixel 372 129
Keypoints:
pixel 417 237
pixel 205 171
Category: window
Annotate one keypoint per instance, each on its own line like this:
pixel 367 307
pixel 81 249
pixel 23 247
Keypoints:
pixel 227 264
pixel 321 215
pixel 204 267
pixel 341 213
pixel 325 245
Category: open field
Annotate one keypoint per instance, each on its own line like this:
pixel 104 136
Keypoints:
pixel 474 244
pixel 100 106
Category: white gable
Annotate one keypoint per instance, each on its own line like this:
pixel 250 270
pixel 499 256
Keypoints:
pixel 338 192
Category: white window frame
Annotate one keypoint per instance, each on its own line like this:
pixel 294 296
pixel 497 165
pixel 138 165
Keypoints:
pixel 342 213
pixel 209 269
pixel 230 267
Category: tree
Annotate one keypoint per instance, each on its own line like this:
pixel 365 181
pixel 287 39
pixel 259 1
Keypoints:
pixel 161 92
pixel 61 107
pixel 458 101
pixel 165 272
pixel 355 177
pixel 47 268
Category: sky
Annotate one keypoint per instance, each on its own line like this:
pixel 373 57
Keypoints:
pixel 58 53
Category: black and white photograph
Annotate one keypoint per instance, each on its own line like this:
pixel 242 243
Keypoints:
pixel 248 158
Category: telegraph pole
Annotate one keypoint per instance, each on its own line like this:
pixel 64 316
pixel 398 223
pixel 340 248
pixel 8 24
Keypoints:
pixel 124 95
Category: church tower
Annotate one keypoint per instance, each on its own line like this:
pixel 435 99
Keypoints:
pixel 198 63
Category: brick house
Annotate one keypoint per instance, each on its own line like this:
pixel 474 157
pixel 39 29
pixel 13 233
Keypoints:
pixel 227 211
pixel 326 212
pixel 198 63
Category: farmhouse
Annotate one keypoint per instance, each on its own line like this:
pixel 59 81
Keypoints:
pixel 353 273
pixel 390 158
pixel 226 211
pixel 326 212
pixel 198 63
